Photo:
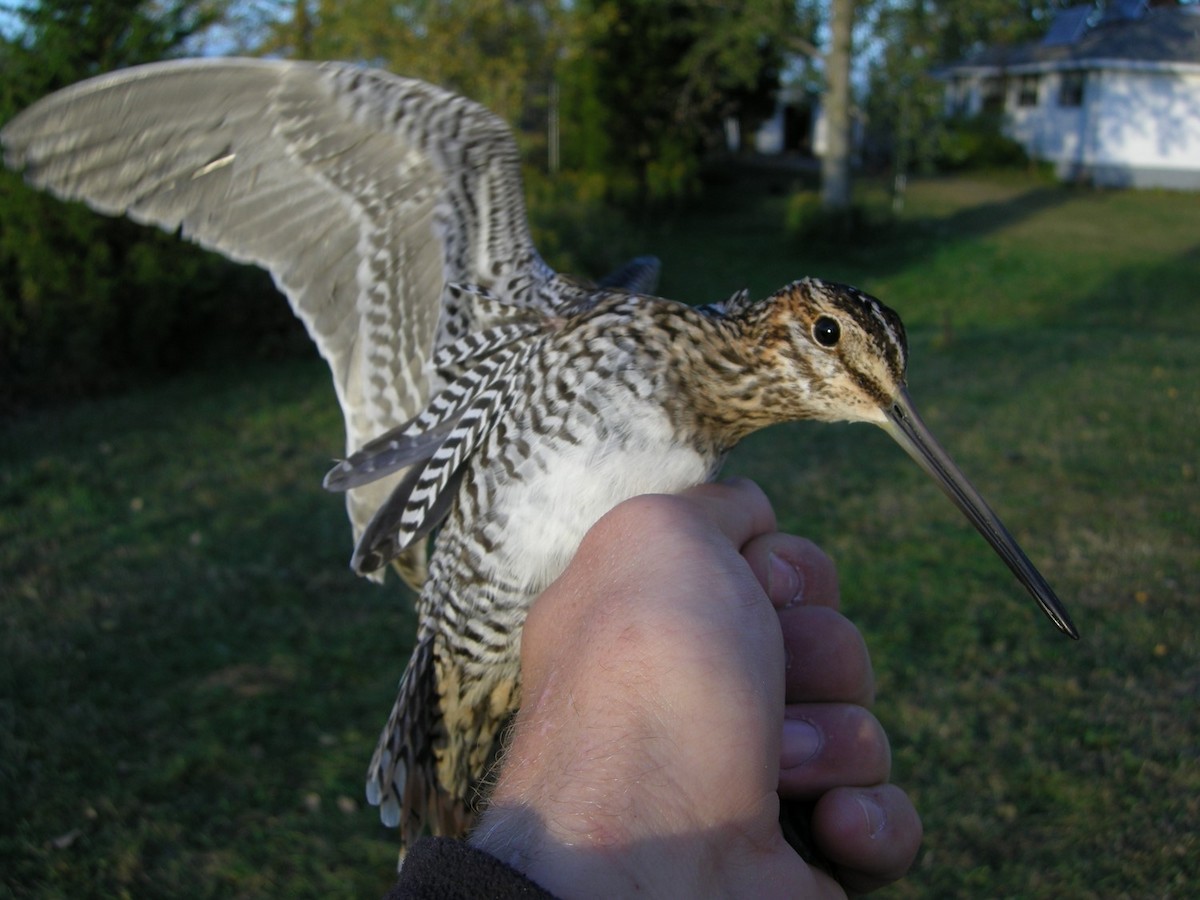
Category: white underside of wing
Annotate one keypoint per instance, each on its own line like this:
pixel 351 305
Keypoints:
pixel 362 194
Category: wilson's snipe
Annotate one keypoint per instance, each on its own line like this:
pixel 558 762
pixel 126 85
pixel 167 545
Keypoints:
pixel 483 394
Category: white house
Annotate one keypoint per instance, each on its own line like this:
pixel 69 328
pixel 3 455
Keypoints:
pixel 1113 98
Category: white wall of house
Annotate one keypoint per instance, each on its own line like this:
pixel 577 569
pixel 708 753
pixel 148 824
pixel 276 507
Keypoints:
pixel 1132 126
pixel 1146 122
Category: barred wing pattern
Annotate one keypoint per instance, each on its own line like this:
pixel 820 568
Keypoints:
pixel 363 194
pixel 391 214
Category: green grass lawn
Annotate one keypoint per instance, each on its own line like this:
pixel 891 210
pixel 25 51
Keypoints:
pixel 191 681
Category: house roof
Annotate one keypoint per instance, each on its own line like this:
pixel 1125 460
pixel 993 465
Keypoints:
pixel 1158 38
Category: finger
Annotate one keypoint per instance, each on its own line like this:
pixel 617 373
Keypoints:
pixel 827 659
pixel 792 570
pixel 871 834
pixel 828 745
pixel 737 506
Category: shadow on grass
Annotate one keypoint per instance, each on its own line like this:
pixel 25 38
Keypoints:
pixel 898 245
pixel 734 236
pixel 978 221
pixel 1163 295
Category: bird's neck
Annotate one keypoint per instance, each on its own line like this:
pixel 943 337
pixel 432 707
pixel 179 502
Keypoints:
pixel 722 374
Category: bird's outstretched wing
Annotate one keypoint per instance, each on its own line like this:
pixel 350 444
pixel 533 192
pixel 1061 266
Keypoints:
pixel 362 193
pixel 391 214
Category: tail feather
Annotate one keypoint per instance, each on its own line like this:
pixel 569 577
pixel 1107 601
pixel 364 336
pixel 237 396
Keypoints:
pixel 430 770
pixel 402 779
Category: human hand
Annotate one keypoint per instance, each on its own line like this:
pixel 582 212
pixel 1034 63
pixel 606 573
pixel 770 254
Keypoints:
pixel 653 741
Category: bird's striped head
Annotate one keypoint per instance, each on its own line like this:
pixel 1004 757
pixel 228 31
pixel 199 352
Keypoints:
pixel 836 353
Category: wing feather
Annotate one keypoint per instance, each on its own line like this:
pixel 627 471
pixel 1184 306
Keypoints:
pixel 362 193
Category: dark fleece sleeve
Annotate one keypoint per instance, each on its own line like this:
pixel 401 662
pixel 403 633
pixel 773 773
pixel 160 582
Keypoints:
pixel 444 869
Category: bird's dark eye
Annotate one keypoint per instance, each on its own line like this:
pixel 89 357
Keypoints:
pixel 826 331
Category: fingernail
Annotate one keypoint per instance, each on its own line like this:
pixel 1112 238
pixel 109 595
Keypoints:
pixel 785 583
pixel 876 817
pixel 801 741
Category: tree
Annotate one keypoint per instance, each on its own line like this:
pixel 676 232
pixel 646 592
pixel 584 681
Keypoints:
pixel 915 37
pixel 639 88
pixel 62 41
pixel 650 84
pixel 500 53
pixel 835 164
pixel 85 299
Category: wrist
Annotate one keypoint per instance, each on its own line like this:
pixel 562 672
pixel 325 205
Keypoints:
pixel 591 809
pixel 567 856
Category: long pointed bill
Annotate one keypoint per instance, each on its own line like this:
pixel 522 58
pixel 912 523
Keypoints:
pixel 911 433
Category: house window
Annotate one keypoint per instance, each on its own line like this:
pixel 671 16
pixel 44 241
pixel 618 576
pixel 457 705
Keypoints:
pixel 959 96
pixel 1027 90
pixel 992 95
pixel 1070 90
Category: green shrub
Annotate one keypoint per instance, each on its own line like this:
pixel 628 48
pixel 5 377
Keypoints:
pixel 978 142
pixel 807 219
pixel 575 226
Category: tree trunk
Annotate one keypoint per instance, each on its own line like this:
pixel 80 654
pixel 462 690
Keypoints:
pixel 835 164
pixel 302 23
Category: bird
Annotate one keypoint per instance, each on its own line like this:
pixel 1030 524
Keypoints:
pixel 494 409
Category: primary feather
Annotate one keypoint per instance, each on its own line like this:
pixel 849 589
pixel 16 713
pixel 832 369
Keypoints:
pixel 370 198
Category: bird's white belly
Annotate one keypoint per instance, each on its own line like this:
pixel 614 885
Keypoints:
pixel 553 504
